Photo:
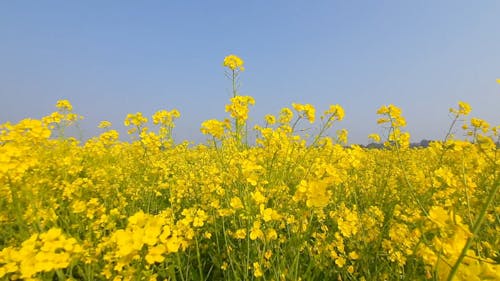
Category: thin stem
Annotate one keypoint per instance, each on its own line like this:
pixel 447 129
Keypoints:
pixel 198 257
pixel 475 230
pixel 448 134
pixel 233 79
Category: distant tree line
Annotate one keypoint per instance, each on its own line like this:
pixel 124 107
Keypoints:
pixel 422 144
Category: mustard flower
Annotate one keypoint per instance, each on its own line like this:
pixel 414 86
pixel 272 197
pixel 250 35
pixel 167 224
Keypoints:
pixel 480 124
pixel 64 105
pixel 236 203
pixel 104 124
pixel 305 110
pixel 256 231
pixel 234 63
pixel 286 115
pixel 155 254
pixel 374 137
pixel 240 233
pixel 463 109
pixel 239 107
pixel 270 119
pixel 342 136
pixel 257 270
pixel 214 127
pixel 336 111
pixel 136 119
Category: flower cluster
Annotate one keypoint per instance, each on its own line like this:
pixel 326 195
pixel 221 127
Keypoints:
pixel 305 110
pixel 393 115
pixel 43 252
pixel 234 63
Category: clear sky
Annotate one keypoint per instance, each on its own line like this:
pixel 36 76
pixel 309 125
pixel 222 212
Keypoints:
pixel 110 58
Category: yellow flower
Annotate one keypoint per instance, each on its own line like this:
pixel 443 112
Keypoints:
pixel 104 124
pixel 463 109
pixel 214 127
pixel 79 206
pixel 392 114
pixel 256 232
pixel 337 111
pixel 224 266
pixel 268 254
pixel 353 255
pixel 64 105
pixel 40 253
pixel 271 234
pixel 173 244
pixel 124 242
pixel 239 107
pixel 257 270
pixel 240 233
pixel 286 115
pixel 267 214
pixel 152 230
pixel 166 117
pixel 350 269
pixel 340 262
pixel 234 63
pixel 200 218
pixel 305 110
pixel 109 137
pixel 258 197
pixel 480 124
pixel 439 216
pixel 155 254
pixel 348 222
pixel 382 120
pixel 374 137
pixel 270 119
pixel 136 119
pixel 342 136
pixel 317 194
pixel 236 203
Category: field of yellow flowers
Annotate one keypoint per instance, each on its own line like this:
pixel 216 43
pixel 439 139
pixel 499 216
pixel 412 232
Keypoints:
pixel 286 207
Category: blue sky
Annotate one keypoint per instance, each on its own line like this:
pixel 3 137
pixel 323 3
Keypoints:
pixel 110 58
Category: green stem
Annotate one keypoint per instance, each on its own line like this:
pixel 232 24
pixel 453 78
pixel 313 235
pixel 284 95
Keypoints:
pixel 448 134
pixel 235 93
pixel 198 257
pixel 179 263
pixel 233 79
pixel 322 130
pixel 475 230
pixel 402 166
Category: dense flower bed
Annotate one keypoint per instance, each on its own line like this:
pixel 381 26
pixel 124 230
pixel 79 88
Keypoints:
pixel 287 207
